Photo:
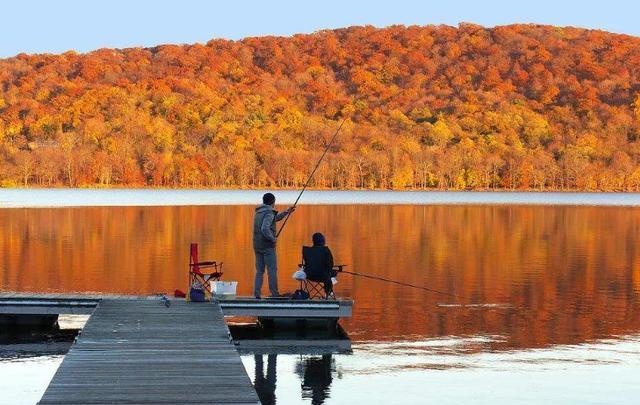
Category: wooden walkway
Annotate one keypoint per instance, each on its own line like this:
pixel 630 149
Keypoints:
pixel 141 352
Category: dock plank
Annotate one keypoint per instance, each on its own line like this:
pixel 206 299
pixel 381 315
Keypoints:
pixel 141 352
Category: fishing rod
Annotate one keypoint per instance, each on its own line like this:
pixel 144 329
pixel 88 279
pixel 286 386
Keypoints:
pixel 400 283
pixel 312 173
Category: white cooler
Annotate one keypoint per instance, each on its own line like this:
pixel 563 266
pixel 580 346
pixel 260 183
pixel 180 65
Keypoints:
pixel 224 290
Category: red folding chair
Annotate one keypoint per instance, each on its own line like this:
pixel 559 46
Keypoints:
pixel 196 275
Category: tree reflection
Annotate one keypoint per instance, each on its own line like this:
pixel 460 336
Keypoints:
pixel 569 274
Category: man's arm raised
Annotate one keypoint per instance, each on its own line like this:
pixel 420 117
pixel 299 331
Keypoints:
pixel 283 214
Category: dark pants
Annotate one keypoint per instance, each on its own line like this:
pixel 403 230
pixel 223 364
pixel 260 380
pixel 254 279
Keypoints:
pixel 266 257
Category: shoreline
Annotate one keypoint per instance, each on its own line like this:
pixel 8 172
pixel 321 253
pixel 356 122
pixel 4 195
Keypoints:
pixel 274 188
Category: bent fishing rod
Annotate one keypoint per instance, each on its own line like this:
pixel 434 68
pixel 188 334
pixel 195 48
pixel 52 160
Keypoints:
pixel 400 283
pixel 312 173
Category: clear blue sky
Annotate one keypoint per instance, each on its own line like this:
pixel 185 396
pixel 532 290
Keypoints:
pixel 35 26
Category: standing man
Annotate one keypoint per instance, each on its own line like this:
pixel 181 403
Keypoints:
pixel 264 243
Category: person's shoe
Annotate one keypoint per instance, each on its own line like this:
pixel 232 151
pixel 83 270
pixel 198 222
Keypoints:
pixel 258 297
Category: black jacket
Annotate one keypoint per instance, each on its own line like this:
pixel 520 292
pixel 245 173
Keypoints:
pixel 318 262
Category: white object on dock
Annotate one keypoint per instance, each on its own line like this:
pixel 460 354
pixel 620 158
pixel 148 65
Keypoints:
pixel 225 290
pixel 300 274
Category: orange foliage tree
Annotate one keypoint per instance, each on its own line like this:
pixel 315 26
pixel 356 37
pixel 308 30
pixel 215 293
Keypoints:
pixel 517 107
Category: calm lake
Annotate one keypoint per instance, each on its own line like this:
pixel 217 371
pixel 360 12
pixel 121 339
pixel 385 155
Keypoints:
pixel 553 283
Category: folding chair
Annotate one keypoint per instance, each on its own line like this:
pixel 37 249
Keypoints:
pixel 315 289
pixel 313 286
pixel 196 275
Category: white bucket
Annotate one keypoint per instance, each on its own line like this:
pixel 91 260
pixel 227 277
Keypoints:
pixel 225 290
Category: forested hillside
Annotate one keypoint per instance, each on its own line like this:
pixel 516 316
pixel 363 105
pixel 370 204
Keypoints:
pixel 513 107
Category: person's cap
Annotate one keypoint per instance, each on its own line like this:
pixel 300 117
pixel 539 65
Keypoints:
pixel 268 199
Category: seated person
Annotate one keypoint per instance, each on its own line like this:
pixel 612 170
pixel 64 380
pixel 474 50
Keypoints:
pixel 318 262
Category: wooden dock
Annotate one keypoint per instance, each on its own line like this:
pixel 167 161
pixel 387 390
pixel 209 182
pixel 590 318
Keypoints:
pixel 56 304
pixel 278 308
pixel 142 352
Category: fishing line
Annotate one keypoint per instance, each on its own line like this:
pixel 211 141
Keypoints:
pixel 471 306
pixel 312 173
pixel 401 283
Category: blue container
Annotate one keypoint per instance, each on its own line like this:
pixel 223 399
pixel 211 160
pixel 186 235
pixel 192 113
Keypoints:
pixel 196 295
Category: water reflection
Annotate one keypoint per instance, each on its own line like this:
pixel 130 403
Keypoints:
pixel 31 354
pixel 555 292
pixel 316 374
pixel 24 375
pixel 265 385
pixel 457 369
pixel 561 275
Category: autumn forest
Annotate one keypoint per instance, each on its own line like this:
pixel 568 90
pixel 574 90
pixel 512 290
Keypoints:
pixel 523 107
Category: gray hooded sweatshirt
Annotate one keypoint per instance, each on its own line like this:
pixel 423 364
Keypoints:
pixel 264 227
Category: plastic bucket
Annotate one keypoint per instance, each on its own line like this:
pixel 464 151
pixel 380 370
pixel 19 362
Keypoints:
pixel 225 290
